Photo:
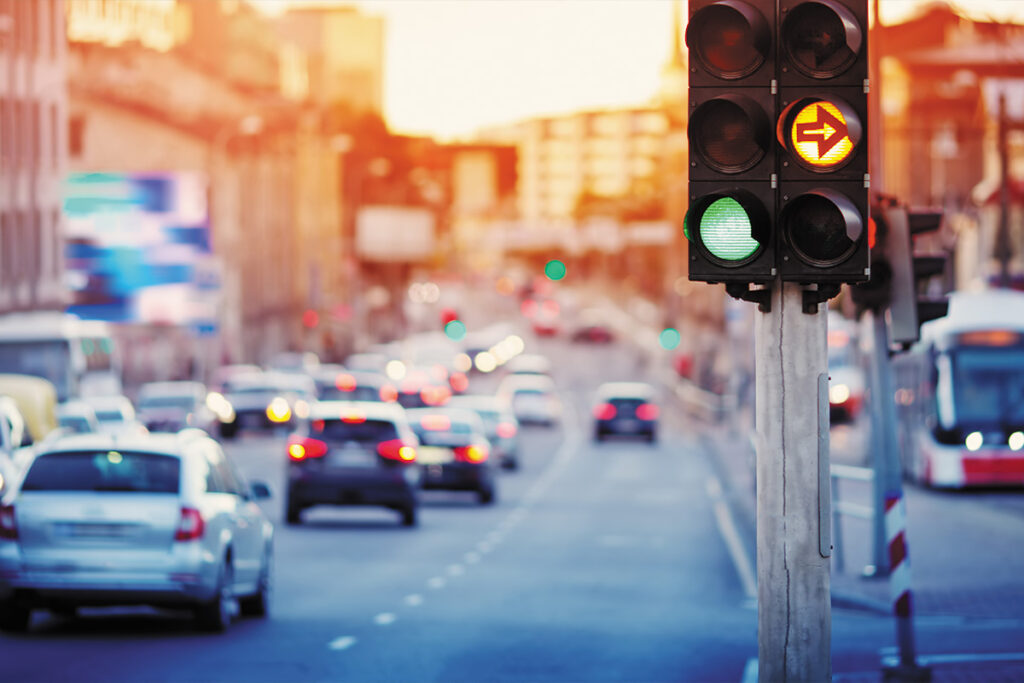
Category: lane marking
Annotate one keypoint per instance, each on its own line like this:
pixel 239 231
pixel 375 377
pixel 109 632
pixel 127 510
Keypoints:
pixel 926 660
pixel 342 643
pixel 385 619
pixel 414 600
pixel 727 528
pixel 436 583
pixel 750 671
pixel 484 547
pixel 456 570
pixel 472 557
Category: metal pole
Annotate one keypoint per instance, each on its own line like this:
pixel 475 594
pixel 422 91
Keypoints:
pixel 881 393
pixel 793 497
pixel 1003 248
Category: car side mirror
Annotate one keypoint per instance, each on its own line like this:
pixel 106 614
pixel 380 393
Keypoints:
pixel 260 491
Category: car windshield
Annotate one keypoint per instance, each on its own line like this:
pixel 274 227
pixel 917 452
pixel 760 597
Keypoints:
pixel 110 415
pixel 360 393
pixel 184 402
pixel 104 471
pixel 365 432
pixel 988 386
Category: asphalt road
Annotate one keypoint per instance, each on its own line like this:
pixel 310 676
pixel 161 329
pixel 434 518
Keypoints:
pixel 599 562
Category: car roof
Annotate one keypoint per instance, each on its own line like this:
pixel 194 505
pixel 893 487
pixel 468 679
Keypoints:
pixel 75 407
pixel 108 402
pixel 516 382
pixel 173 388
pixel 483 401
pixel 326 410
pixel 626 390
pixel 165 443
pixel 459 414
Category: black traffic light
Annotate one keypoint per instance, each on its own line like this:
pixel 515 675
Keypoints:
pixel 732 153
pixel 876 294
pixel 910 272
pixel 822 132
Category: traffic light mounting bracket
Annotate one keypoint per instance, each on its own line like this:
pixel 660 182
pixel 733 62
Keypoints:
pixel 743 292
pixel 813 297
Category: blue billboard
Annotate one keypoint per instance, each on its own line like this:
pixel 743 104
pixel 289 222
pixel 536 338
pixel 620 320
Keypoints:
pixel 137 248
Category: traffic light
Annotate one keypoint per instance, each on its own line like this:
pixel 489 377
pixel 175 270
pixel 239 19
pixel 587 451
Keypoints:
pixel 876 294
pixel 821 130
pixel 910 271
pixel 732 154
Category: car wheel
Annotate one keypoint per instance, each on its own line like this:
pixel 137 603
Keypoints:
pixel 258 604
pixel 486 495
pixel 215 616
pixel 293 513
pixel 14 618
pixel 652 437
pixel 409 516
pixel 510 464
pixel 598 436
pixel 229 430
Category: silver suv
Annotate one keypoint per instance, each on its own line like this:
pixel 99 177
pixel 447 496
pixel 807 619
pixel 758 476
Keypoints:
pixel 161 519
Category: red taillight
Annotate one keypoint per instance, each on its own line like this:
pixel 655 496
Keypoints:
pixel 459 382
pixel 473 453
pixel 529 308
pixel 435 395
pixel 345 382
pixel 353 418
pixel 303 448
pixel 388 393
pixel 506 430
pixel 190 526
pixel 8 524
pixel 647 411
pixel 396 449
pixel 604 411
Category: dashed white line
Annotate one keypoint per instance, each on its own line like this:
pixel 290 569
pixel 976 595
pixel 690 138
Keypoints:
pixel 484 547
pixel 726 526
pixel 436 583
pixel 456 570
pixel 342 643
pixel 384 619
pixel 471 558
pixel 414 600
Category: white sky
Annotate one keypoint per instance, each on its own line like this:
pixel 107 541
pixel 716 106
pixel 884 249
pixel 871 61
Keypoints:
pixel 453 66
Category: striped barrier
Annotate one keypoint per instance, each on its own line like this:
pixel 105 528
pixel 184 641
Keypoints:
pixel 899 560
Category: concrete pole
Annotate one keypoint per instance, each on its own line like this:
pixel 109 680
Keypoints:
pixel 793 496
pixel 883 439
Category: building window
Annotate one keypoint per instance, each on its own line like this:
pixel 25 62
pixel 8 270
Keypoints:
pixel 76 136
pixel 37 134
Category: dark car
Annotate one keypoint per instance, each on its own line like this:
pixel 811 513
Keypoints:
pixel 500 425
pixel 265 400
pixel 626 409
pixel 594 333
pixel 355 386
pixel 454 451
pixel 353 453
pixel 424 387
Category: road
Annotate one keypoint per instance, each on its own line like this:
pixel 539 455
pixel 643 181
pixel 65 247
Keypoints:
pixel 599 562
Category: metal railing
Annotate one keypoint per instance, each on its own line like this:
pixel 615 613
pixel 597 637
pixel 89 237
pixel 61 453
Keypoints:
pixel 841 507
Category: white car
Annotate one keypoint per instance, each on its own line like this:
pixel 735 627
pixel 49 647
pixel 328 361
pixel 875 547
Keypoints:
pixel 116 415
pixel 533 399
pixel 172 406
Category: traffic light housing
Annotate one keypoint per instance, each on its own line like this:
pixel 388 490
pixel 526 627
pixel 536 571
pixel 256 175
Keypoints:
pixel 778 144
pixel 822 134
pixel 876 294
pixel 910 308
pixel 729 223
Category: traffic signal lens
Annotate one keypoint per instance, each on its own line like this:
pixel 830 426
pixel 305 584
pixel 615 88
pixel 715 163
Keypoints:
pixel 729 134
pixel 730 39
pixel 822 39
pixel 726 231
pixel 822 227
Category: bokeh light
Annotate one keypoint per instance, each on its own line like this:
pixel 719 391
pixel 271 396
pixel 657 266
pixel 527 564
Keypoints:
pixel 669 338
pixel 455 330
pixel 554 269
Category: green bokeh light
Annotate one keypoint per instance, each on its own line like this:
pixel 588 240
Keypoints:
pixel 669 338
pixel 725 230
pixel 554 270
pixel 455 330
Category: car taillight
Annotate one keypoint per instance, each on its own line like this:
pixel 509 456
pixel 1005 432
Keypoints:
pixel 604 411
pixel 396 449
pixel 473 453
pixel 435 395
pixel 345 382
pixel 647 411
pixel 388 393
pixel 8 524
pixel 190 526
pixel 459 382
pixel 506 430
pixel 303 448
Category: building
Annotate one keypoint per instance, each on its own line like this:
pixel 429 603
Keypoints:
pixel 345 53
pixel 33 115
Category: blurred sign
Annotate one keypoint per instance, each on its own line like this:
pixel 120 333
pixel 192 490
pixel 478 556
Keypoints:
pixel 394 234
pixel 138 249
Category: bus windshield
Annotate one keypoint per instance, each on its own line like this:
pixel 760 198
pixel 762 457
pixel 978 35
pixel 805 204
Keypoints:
pixel 988 387
pixel 48 359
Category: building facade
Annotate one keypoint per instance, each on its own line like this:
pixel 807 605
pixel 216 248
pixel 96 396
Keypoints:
pixel 33 115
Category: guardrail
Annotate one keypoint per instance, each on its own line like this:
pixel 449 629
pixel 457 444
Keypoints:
pixel 841 507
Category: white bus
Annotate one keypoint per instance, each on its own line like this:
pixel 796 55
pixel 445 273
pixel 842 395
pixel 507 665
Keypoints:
pixel 78 356
pixel 959 394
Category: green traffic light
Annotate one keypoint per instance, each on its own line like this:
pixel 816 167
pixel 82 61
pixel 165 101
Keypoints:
pixel 725 231
pixel 554 270
pixel 669 338
pixel 456 330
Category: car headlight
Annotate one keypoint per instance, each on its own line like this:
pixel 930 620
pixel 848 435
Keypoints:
pixel 279 410
pixel 838 393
